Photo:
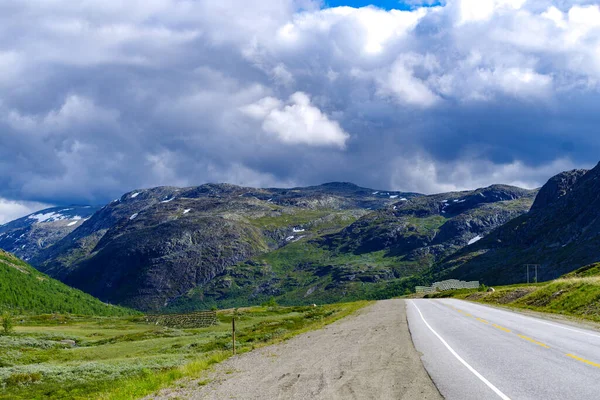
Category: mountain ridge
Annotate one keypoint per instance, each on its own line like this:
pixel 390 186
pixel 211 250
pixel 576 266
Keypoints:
pixel 561 233
pixel 170 248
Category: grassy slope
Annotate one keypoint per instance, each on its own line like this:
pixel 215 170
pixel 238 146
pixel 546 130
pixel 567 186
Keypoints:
pixel 24 290
pixel 123 358
pixel 575 294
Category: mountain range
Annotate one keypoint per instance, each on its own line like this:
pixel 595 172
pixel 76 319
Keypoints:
pixel 180 249
pixel 217 244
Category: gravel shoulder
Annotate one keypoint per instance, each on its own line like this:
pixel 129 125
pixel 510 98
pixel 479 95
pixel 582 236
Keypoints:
pixel 369 355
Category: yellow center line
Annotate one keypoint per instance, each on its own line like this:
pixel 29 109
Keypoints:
pixel 501 328
pixel 533 341
pixel 583 360
pixel 482 320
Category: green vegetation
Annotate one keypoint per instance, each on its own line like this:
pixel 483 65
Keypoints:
pixel 427 225
pixel 316 222
pixel 68 357
pixel 575 294
pixel 24 290
pixel 8 324
pixel 304 272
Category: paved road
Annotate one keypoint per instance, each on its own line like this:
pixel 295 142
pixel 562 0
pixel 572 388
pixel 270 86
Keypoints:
pixel 476 352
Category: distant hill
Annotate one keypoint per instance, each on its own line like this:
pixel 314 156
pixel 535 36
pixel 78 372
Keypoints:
pixel 27 236
pixel 25 290
pixel 561 233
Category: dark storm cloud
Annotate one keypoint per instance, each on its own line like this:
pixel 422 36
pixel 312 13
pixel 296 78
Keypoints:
pixel 104 97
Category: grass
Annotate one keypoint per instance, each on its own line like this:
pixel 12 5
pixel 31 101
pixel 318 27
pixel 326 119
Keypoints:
pixel 124 358
pixel 426 225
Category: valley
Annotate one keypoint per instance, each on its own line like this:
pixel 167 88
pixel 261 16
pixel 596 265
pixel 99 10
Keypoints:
pixel 284 262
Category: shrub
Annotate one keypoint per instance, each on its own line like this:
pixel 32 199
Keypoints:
pixel 270 303
pixel 8 324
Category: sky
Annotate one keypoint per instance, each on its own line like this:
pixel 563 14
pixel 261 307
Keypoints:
pixel 101 98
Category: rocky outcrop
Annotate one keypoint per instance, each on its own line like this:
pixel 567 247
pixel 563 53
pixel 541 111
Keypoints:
pixel 557 187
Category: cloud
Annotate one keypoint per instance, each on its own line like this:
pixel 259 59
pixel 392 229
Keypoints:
pixel 402 83
pixel 424 175
pixel 298 122
pixel 11 210
pixel 98 99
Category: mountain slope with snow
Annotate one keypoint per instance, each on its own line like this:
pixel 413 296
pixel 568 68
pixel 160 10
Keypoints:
pixel 26 237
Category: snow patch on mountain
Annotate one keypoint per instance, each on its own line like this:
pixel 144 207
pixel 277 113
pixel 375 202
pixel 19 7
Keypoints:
pixel 475 240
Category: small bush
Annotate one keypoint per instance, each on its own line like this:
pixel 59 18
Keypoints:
pixel 270 303
pixel 8 324
pixel 23 379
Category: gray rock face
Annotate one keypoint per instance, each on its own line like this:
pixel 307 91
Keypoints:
pixel 557 187
pixel 434 225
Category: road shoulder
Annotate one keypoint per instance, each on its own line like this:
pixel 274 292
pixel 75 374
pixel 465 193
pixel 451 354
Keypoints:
pixel 369 355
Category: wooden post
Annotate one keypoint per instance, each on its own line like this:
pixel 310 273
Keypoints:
pixel 233 332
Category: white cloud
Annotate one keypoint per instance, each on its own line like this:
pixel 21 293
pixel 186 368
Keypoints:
pixel 297 122
pixel 11 210
pixel 483 10
pixel 420 173
pixel 404 85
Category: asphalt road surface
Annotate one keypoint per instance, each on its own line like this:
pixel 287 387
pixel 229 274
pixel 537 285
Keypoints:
pixel 476 352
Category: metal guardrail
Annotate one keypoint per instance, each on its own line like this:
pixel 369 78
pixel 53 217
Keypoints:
pixel 447 285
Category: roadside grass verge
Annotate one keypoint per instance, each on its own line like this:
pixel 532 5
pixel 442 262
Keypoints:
pixel 124 358
pixel 572 296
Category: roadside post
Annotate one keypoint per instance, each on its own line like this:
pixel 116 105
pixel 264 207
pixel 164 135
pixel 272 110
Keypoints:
pixel 233 331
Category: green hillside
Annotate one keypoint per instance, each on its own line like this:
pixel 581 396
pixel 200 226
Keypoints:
pixel 24 290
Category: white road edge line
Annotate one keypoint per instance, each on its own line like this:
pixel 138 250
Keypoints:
pixel 463 362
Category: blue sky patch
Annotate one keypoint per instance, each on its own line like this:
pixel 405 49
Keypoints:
pixel 385 4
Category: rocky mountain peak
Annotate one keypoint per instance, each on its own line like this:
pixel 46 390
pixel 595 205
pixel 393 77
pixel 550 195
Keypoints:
pixel 557 187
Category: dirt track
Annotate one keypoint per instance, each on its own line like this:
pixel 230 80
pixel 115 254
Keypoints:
pixel 369 355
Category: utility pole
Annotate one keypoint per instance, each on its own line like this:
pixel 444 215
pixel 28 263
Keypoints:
pixel 535 266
